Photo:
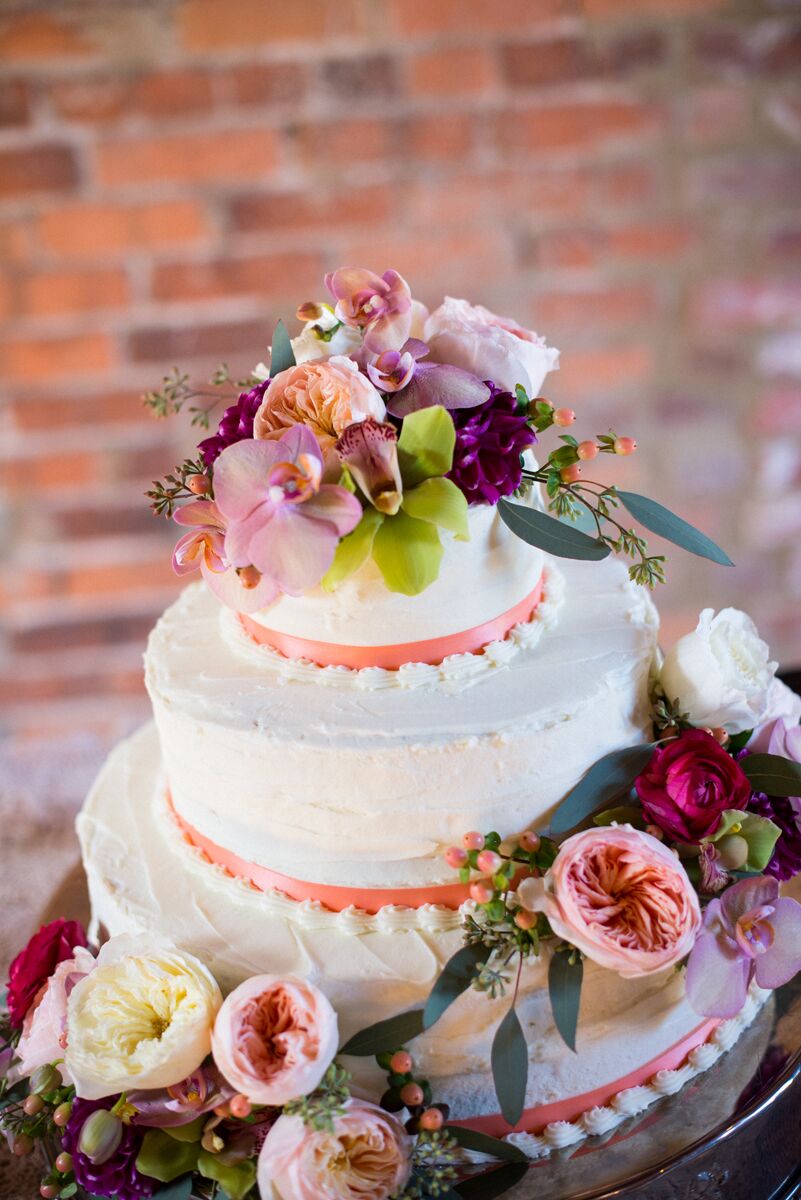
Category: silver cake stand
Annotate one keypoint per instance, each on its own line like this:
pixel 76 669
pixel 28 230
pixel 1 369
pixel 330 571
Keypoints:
pixel 733 1133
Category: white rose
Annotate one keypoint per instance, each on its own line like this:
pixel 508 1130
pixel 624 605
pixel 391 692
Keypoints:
pixel 141 1019
pixel 492 347
pixel 308 345
pixel 720 674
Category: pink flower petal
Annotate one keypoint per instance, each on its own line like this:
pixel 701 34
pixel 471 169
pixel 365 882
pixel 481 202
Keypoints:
pixel 782 960
pixel 240 534
pixel 240 476
pixel 188 553
pixel 228 588
pixel 717 976
pixel 747 895
pixel 388 332
pixel 295 551
pixel 436 383
pixel 335 505
pixel 199 512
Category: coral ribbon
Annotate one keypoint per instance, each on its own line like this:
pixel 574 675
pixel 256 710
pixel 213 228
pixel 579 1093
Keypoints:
pixel 334 897
pixel 431 651
pixel 534 1120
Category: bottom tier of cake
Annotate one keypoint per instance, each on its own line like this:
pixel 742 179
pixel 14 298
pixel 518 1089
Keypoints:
pixel 637 1040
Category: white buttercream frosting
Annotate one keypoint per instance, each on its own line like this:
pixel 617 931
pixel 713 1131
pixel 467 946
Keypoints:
pixel 367 786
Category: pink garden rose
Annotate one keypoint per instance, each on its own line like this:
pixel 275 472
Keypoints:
pixel 366 1157
pixel 43 1039
pixel 34 965
pixel 488 346
pixel 621 897
pixel 326 395
pixel 274 1038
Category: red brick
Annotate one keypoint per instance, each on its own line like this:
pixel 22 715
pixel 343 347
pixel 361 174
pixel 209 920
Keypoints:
pixel 92 98
pixel 50 412
pixel 174 93
pixel 266 83
pixel 310 209
pixel 14 106
pixel 567 248
pixel 716 113
pixel 33 359
pixel 221 156
pixel 434 262
pixel 626 185
pixel 651 8
pixel 250 22
pixel 100 629
pixel 439 137
pixel 107 518
pixel 477 16
pixel 654 241
pixel 360 78
pixel 587 373
pixel 89 230
pixel 576 126
pixel 751 176
pixel 276 275
pixel 40 35
pixel 16 243
pixel 594 309
pixel 73 291
pixel 748 303
pixel 357 139
pixel 43 472
pixel 154 94
pixel 47 167
pixel 547 61
pixel 163 344
pixel 632 50
pixel 467 70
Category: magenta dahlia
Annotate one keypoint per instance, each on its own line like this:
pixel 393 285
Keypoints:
pixel 236 423
pixel 490 438
pixel 117 1176
pixel 786 813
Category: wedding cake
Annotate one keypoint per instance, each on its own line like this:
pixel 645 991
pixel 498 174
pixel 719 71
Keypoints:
pixel 415 754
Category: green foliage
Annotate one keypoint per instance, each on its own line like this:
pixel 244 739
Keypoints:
pixel 164 1158
pixel 165 494
pixel 565 975
pixel 353 550
pixel 660 520
pixel 327 1101
pixel 772 774
pixel 538 529
pixel 607 779
pixel 425 446
pixel 236 1179
pixel 407 552
pixel 282 355
pixel 482 1143
pixel 456 977
pixel 440 502
pixel 760 833
pixel 509 1060
pixel 385 1036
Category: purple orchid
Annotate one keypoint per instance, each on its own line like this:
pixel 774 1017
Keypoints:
pixel 200 1093
pixel 369 449
pixel 750 932
pixel 380 305
pixel 280 518
pixel 204 546
pixel 393 369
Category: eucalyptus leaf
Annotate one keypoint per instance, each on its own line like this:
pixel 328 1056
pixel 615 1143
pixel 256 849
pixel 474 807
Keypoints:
pixel 604 781
pixel 549 534
pixel 471 1139
pixel 163 1158
pixel 426 444
pixel 773 774
pixel 509 1059
pixel 407 552
pixel 236 1179
pixel 455 978
pixel 440 502
pixel 181 1189
pixel 492 1183
pixel 661 521
pixel 353 550
pixel 282 356
pixel 386 1035
pixel 564 988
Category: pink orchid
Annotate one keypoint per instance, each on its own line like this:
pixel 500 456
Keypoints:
pixel 750 932
pixel 380 305
pixel 393 369
pixel 280 518
pixel 200 1093
pixel 204 546
pixel 369 449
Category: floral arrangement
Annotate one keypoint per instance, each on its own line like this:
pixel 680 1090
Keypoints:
pixel 371 433
pixel 136 1080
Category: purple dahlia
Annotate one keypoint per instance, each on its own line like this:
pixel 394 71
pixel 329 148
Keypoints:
pixel 490 439
pixel 786 813
pixel 236 423
pixel 118 1176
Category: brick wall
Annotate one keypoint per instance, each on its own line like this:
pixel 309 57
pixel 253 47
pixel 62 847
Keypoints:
pixel 623 174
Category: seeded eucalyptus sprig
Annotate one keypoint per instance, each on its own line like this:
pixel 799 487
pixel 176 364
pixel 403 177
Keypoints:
pixel 187 481
pixel 326 1102
pixel 177 390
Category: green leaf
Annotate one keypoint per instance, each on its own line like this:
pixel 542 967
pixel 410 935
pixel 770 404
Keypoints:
pixel 759 832
pixel 425 445
pixel 192 1132
pixel 69 1191
pixel 471 1139
pixel 180 1190
pixel 538 529
pixel 163 1158
pixel 605 780
pixel 282 355
pixel 564 989
pixel 738 741
pixel 662 521
pixel 389 1034
pixel 439 502
pixel 237 1180
pixel 455 978
pixel 407 552
pixel 492 1183
pixel 624 814
pixel 509 1058
pixel 772 774
pixel 354 550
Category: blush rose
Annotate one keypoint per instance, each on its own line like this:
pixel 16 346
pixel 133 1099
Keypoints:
pixel 274 1038
pixel 34 965
pixel 44 1031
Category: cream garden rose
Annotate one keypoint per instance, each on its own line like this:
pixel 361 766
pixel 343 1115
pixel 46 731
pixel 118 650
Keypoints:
pixel 141 1019
pixel 327 396
pixel 720 674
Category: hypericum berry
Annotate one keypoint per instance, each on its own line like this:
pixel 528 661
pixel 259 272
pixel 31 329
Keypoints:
pixel 625 445
pixel 48 1191
pixel 564 417
pixel 488 862
pixel 240 1107
pixel 62 1114
pixel 655 832
pixel 199 484
pixel 222 1110
pixel 63 1163
pixel 412 1095
pixel 248 576
pixel 570 474
pixel 432 1119
pixel 21 1146
pixel 720 735
pixel 309 311
pixel 473 840
pixel 455 857
pixel 481 892
pixel 530 841
pixel 33 1105
pixel 401 1062
pixel 587 451
pixel 525 919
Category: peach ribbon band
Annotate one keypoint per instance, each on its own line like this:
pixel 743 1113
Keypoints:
pixel 334 897
pixel 432 651
pixel 534 1120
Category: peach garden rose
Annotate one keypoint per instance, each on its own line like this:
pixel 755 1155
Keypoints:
pixel 274 1038
pixel 365 1156
pixel 621 897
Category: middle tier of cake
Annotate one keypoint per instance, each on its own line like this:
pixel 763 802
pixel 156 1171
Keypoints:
pixel 363 778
